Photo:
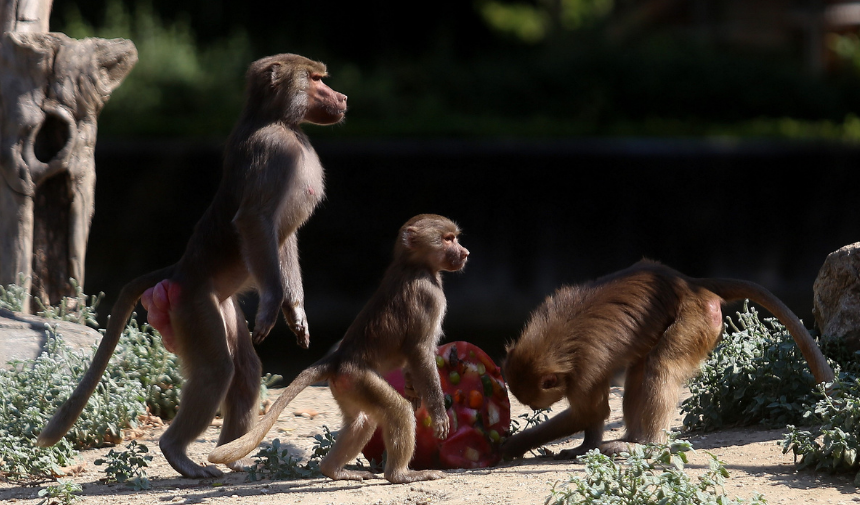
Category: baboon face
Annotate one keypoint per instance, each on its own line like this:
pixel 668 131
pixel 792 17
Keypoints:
pixel 325 105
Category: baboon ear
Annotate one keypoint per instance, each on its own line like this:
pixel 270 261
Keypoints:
pixel 409 238
pixel 275 70
pixel 548 381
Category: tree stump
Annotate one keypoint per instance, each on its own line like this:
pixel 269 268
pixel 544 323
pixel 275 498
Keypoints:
pixel 52 89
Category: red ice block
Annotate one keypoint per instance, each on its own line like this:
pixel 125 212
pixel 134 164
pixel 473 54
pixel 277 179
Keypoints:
pixel 479 412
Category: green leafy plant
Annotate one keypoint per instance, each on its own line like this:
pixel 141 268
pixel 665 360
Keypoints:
pixel 323 444
pixel 76 309
pixel 128 466
pixel 755 375
pixel 266 382
pixel 652 474
pixel 141 375
pixel 276 463
pixel 534 418
pixel 61 494
pixel 22 459
pixel 141 357
pixel 13 296
pixel 834 446
pixel 32 390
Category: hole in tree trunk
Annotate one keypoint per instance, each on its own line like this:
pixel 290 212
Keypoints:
pixel 51 139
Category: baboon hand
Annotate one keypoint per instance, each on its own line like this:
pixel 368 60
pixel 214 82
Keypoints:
pixel 440 426
pixel 409 391
pixel 513 447
pixel 298 322
pixel 267 315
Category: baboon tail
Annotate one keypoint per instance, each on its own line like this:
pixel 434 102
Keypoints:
pixel 239 448
pixel 65 417
pixel 732 289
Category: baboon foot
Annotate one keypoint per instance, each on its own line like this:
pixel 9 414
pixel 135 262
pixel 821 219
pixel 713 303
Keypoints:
pixel 343 474
pixel 616 447
pixel 575 452
pixel 405 476
pixel 183 464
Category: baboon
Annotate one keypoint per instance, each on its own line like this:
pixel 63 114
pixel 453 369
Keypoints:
pixel 272 180
pixel 653 321
pixel 399 327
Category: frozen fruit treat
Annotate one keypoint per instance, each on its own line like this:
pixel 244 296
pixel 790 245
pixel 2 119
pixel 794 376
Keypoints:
pixel 479 412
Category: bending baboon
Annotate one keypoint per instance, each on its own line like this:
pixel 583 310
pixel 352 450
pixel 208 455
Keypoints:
pixel 399 327
pixel 272 181
pixel 649 319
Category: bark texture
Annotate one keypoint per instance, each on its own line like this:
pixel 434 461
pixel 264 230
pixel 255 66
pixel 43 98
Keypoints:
pixel 52 89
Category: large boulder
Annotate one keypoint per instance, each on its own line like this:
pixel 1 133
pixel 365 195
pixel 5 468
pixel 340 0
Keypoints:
pixel 836 296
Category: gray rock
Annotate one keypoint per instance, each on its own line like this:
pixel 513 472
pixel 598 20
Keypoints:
pixel 836 296
pixel 23 336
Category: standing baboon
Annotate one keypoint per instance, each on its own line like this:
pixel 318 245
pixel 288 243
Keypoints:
pixel 399 327
pixel 271 183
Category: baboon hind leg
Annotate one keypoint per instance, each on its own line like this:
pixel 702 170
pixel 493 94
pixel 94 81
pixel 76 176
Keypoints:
pixel 590 413
pixel 653 384
pixel 368 393
pixel 202 346
pixel 357 430
pixel 242 400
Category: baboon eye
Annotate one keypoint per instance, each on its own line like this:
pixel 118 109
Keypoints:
pixel 549 382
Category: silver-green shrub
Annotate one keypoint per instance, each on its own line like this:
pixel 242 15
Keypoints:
pixel 756 374
pixel 833 446
pixel 651 474
pixel 141 375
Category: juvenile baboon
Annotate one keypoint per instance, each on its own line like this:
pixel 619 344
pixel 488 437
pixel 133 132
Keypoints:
pixel 399 327
pixel 272 181
pixel 657 323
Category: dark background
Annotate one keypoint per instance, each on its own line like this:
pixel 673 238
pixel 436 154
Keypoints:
pixel 716 136
pixel 536 215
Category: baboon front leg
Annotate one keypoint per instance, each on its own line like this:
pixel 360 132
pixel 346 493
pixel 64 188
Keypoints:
pixel 650 393
pixel 634 405
pixel 425 380
pixel 260 251
pixel 587 413
pixel 202 344
pixel 562 425
pixel 294 300
pixel 593 436
pixel 593 411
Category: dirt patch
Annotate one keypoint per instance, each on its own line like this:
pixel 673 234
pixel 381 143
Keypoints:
pixel 753 457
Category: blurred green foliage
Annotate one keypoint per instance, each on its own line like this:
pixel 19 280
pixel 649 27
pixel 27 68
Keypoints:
pixel 177 86
pixel 534 22
pixel 489 68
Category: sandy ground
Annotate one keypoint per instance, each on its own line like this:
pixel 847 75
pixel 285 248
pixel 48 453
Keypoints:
pixel 753 457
